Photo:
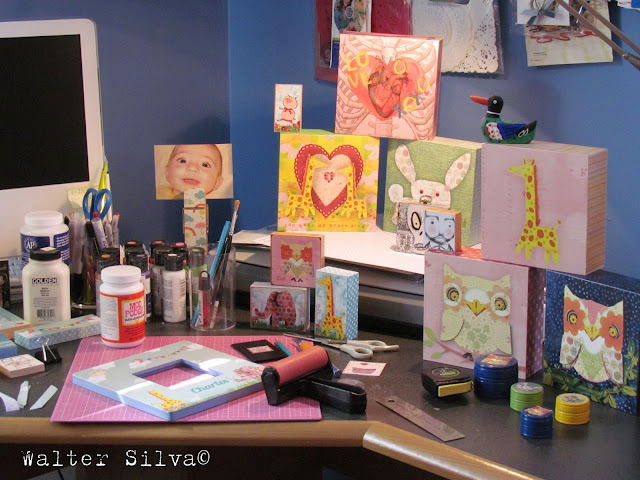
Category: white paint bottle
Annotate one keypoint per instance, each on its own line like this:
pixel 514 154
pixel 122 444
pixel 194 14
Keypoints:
pixel 174 284
pixel 44 228
pixel 46 294
pixel 122 306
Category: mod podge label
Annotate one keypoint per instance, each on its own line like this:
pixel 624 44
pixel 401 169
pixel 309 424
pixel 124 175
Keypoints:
pixel 123 317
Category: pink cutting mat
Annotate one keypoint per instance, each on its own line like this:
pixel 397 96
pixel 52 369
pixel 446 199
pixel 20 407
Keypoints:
pixel 77 404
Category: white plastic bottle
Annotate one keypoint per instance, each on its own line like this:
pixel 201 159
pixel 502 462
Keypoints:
pixel 122 306
pixel 174 284
pixel 44 228
pixel 46 293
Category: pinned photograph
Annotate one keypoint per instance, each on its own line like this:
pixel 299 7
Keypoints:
pixel 204 166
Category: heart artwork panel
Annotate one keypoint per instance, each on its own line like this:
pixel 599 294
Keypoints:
pixel 388 86
pixel 327 182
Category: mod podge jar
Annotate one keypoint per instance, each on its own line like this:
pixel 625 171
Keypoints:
pixel 122 306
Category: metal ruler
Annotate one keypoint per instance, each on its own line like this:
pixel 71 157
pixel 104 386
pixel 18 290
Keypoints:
pixel 422 419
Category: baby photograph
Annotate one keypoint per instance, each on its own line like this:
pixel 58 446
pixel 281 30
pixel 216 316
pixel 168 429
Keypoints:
pixel 205 166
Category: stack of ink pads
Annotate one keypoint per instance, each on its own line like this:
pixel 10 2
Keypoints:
pixel 536 422
pixel 573 408
pixel 494 375
pixel 525 394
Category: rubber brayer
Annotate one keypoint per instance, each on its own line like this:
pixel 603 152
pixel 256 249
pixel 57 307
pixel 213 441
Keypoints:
pixel 309 373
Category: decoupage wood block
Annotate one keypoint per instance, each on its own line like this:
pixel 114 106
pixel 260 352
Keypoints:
pixel 327 182
pixel 445 172
pixel 195 218
pixel 544 205
pixel 336 313
pixel 592 337
pixel 388 85
pixel 10 322
pixel 421 227
pixel 287 111
pixel 279 307
pixel 295 257
pixel 474 307
pixel 53 333
pixel 20 365
pixel 7 347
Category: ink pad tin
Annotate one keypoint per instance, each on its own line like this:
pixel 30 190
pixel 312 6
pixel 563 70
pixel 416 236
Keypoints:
pixel 494 374
pixel 536 422
pixel 525 394
pixel 573 408
pixel 444 381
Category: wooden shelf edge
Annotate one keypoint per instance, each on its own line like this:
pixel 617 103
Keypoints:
pixel 434 457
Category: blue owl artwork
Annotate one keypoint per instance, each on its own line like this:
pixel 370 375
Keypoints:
pixel 592 330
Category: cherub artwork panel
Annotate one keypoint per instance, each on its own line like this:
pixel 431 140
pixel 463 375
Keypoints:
pixel 336 306
pixel 388 86
pixel 327 182
pixel 444 173
pixel 476 307
pixel 279 307
pixel 592 337
pixel 544 205
pixel 295 257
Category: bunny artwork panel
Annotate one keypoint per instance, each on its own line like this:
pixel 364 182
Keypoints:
pixel 327 182
pixel 442 173
pixel 388 85
pixel 544 205
pixel 592 336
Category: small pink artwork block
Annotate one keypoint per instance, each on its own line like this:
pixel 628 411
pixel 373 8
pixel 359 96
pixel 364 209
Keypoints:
pixel 388 85
pixel 474 307
pixel 544 205
pixel 287 111
pixel 279 308
pixel 295 257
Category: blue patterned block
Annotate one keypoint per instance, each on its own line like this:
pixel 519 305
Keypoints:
pixel 7 347
pixel 336 314
pixel 58 332
pixel 592 337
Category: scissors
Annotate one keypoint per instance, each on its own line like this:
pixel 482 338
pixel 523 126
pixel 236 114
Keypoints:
pixel 98 201
pixel 358 349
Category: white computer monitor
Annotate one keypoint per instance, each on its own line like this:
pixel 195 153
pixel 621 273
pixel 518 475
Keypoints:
pixel 50 119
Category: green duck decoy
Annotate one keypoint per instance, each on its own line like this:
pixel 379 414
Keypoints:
pixel 496 130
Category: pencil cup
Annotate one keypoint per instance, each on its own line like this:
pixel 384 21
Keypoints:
pixel 216 295
pixel 83 275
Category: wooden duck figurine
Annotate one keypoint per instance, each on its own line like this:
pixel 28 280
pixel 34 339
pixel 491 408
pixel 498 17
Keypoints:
pixel 496 130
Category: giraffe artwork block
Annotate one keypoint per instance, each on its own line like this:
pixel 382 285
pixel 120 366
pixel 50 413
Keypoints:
pixel 327 182
pixel 592 337
pixel 544 205
pixel 336 314
pixel 279 307
pixel 388 85
pixel 476 307
pixel 218 378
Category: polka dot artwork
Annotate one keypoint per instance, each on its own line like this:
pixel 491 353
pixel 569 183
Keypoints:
pixel 592 335
pixel 336 314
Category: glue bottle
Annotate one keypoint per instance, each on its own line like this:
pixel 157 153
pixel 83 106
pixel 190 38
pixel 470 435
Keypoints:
pixel 122 307
pixel 141 260
pixel 46 287
pixel 157 291
pixel 174 283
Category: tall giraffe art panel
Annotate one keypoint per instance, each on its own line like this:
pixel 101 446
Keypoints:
pixel 327 182
pixel 544 205
pixel 336 313
pixel 388 85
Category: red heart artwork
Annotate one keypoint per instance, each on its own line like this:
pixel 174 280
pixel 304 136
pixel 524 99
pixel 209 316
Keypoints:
pixel 381 87
pixel 332 201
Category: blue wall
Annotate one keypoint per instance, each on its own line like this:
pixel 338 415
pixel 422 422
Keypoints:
pixel 203 70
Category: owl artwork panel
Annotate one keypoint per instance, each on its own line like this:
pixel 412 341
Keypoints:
pixel 295 257
pixel 475 307
pixel 591 336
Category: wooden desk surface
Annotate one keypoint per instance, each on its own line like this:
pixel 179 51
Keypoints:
pixel 492 448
